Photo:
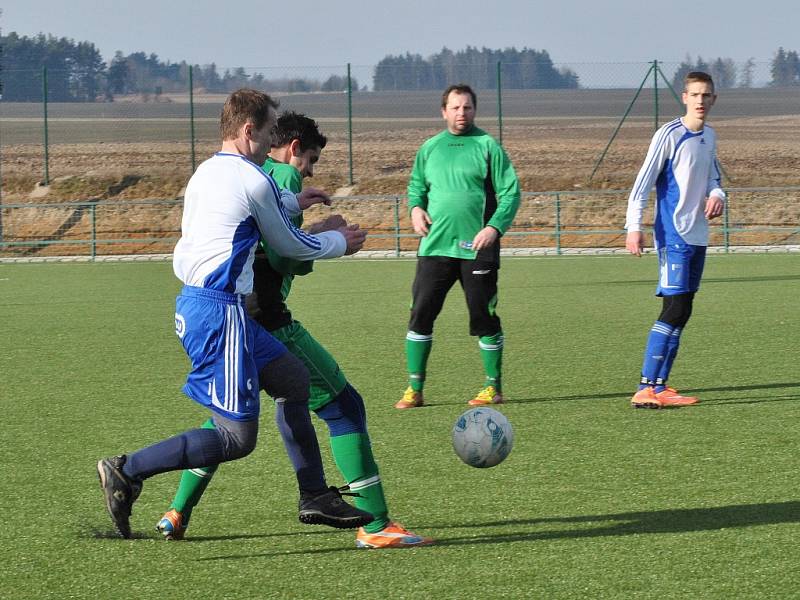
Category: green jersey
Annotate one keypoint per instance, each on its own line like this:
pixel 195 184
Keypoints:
pixel 464 182
pixel 276 277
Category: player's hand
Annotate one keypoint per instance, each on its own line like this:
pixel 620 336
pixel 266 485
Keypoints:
pixel 634 242
pixel 354 237
pixel 420 219
pixel 311 196
pixel 714 207
pixel 331 223
pixel 485 238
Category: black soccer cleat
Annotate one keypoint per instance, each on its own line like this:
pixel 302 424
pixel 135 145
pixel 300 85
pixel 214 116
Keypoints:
pixel 329 509
pixel 120 492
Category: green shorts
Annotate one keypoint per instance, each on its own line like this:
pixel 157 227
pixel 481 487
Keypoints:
pixel 327 379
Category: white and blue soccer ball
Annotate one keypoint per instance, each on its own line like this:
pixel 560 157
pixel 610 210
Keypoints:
pixel 483 437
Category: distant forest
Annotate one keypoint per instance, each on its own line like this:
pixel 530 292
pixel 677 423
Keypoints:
pixel 522 70
pixel 76 72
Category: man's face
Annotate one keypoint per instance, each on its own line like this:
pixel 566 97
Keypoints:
pixel 698 97
pixel 459 113
pixel 304 161
pixel 260 140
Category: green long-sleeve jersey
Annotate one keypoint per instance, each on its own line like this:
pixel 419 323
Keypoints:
pixel 287 178
pixel 275 282
pixel 464 182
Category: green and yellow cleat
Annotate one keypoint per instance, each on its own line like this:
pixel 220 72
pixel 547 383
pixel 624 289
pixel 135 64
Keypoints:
pixel 410 399
pixel 488 395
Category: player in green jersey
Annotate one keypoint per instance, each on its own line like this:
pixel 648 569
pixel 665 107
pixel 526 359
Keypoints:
pixel 296 147
pixel 463 195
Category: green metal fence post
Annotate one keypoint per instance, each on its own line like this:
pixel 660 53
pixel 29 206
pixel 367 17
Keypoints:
pixel 46 144
pixel 499 103
pixel 725 225
pixel 94 230
pixel 558 224
pixel 191 115
pixel 350 122
pixel 397 226
pixel 619 125
pixel 655 92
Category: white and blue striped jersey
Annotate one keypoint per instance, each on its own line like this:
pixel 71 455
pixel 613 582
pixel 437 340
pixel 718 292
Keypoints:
pixel 230 203
pixel 682 164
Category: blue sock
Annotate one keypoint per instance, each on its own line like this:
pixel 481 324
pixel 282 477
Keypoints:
pixel 672 351
pixel 655 353
pixel 189 450
pixel 300 440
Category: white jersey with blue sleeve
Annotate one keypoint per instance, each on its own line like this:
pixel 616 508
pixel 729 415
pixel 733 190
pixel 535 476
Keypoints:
pixel 682 164
pixel 230 202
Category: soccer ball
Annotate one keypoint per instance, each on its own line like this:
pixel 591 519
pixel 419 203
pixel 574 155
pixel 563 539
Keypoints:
pixel 482 437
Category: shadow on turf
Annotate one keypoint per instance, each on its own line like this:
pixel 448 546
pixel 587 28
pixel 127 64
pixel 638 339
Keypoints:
pixel 756 278
pixel 110 534
pixel 627 394
pixel 686 520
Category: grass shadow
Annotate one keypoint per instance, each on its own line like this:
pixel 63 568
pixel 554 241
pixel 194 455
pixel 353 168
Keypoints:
pixel 687 520
pixel 626 394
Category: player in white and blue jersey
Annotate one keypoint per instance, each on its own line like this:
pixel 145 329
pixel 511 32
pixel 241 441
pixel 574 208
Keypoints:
pixel 230 203
pixel 682 164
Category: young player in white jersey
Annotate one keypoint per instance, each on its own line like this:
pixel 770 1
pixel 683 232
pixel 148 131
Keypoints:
pixel 682 164
pixel 230 204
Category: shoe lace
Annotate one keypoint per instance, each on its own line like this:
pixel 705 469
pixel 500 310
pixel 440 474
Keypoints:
pixel 344 491
pixel 410 395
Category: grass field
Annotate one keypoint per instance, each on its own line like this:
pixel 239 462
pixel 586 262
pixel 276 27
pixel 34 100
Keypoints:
pixel 597 500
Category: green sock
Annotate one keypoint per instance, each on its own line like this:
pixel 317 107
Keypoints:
pixel 492 355
pixel 193 483
pixel 418 348
pixel 353 455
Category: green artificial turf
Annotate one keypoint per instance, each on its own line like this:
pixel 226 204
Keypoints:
pixel 597 500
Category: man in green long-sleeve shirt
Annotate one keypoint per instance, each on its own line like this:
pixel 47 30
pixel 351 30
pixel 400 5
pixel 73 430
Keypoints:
pixel 463 195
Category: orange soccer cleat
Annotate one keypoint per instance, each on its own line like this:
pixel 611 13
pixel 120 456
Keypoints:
pixel 393 535
pixel 172 526
pixel 646 398
pixel 670 397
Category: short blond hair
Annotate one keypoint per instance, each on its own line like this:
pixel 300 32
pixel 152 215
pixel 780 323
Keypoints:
pixel 242 106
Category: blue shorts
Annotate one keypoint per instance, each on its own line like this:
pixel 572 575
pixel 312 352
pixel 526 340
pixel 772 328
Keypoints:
pixel 680 269
pixel 227 350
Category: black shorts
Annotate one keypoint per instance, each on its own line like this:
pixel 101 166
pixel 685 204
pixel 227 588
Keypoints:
pixel 437 274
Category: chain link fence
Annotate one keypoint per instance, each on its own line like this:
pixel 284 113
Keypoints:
pixel 546 223
pixel 121 160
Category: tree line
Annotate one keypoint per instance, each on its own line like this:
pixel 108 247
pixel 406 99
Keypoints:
pixel 784 71
pixel 521 69
pixel 76 72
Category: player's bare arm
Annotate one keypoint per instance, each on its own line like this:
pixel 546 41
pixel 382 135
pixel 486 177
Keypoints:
pixel 634 242
pixel 420 220
pixel 485 238
pixel 714 207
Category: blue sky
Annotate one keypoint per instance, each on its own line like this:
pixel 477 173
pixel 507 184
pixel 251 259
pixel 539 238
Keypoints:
pixel 361 32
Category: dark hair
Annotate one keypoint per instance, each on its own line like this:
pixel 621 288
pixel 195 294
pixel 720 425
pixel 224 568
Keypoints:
pixel 242 106
pixel 297 126
pixel 693 76
pixel 459 88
